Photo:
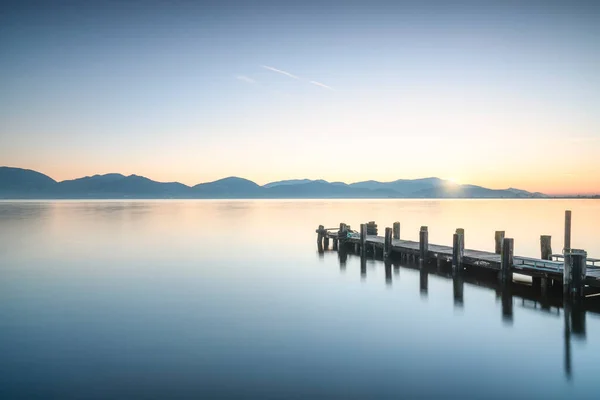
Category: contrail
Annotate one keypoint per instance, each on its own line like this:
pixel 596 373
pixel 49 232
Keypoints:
pixel 280 71
pixel 244 78
pixel 322 85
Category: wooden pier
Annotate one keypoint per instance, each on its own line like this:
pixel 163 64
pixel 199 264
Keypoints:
pixel 572 269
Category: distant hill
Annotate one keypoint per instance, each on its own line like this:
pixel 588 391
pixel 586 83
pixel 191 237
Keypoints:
pixel 404 187
pixel 18 183
pixel 231 187
pixel 292 182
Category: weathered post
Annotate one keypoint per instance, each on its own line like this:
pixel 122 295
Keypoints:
pixel 546 247
pixel 387 243
pixel 457 252
pixel 461 231
pixel 574 273
pixel 423 244
pixel 396 230
pixel 499 238
pixel 319 231
pixel 320 238
pixel 363 239
pixel 567 245
pixel 506 260
pixel 335 243
pixel 325 239
pixel 342 232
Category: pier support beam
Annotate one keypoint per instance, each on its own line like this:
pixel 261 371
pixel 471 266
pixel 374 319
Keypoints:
pixel 396 230
pixel 499 237
pixel 335 244
pixel 326 241
pixel 457 253
pixel 423 244
pixel 506 262
pixel 387 243
pixel 363 239
pixel 574 273
pixel 567 245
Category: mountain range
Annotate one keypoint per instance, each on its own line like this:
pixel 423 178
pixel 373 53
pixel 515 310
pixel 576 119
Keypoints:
pixel 17 183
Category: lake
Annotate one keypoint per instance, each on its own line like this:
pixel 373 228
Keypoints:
pixel 230 299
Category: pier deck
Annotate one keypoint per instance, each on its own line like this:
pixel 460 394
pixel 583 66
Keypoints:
pixel 536 268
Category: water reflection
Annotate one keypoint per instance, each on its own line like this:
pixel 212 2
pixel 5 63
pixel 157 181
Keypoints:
pixel 423 280
pixel 388 273
pixel 533 297
pixel 458 286
pixel 363 266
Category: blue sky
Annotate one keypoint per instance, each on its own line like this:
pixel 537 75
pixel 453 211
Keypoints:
pixel 493 93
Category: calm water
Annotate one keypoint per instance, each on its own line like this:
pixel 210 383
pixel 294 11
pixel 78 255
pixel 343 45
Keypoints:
pixel 211 299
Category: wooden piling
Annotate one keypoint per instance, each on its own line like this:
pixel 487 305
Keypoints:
pixel 457 252
pixel 320 230
pixel 342 232
pixel 567 245
pixel 546 247
pixel 461 231
pixel 363 239
pixel 423 244
pixel 387 243
pixel 506 258
pixel 335 244
pixel 396 230
pixel 326 240
pixel 574 273
pixel 499 237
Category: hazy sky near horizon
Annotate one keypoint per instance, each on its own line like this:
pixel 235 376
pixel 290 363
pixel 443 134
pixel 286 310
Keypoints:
pixel 492 93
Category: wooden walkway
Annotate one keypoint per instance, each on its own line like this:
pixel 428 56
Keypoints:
pixel 533 267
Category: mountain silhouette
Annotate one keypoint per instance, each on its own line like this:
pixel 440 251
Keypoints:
pixel 17 183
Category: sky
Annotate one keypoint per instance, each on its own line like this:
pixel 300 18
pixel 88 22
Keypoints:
pixel 498 94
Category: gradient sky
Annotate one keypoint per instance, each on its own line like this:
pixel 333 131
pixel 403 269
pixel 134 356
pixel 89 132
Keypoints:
pixel 492 93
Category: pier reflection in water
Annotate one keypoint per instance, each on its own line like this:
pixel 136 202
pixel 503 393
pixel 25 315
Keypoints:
pixel 529 296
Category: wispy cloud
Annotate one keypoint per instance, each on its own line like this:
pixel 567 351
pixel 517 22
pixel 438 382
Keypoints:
pixel 322 85
pixel 244 78
pixel 280 72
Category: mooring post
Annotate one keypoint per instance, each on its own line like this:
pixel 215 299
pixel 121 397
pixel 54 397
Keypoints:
pixel 457 252
pixel 387 243
pixel 461 231
pixel 363 239
pixel 396 230
pixel 320 231
pixel 499 238
pixel 567 245
pixel 506 258
pixel 546 247
pixel 423 244
pixel 574 273
pixel 342 233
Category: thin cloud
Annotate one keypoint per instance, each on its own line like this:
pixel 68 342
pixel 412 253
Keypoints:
pixel 322 85
pixel 280 71
pixel 244 78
